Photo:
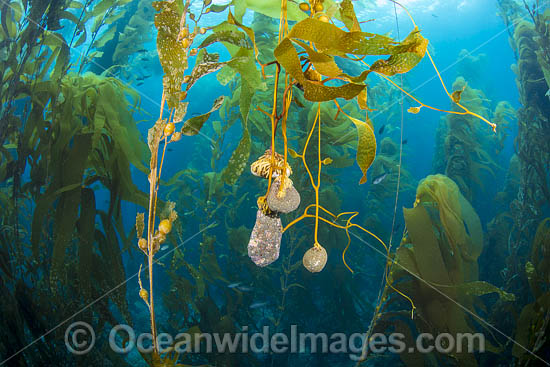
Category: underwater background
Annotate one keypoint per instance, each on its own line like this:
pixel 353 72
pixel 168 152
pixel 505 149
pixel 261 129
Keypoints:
pixel 346 168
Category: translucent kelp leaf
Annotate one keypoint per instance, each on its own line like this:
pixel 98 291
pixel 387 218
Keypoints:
pixel 82 38
pixel 366 146
pixel 324 64
pixel 233 37
pixel 226 75
pixel 181 111
pixel 172 55
pixel 217 8
pixel 194 124
pixel 238 161
pixel 362 99
pixel 250 33
pixel 288 58
pixel 272 8
pixel 348 16
pixel 474 229
pixel 245 99
pixel 330 39
pixel 102 7
pixel 205 64
pixel 105 37
pixel 404 57
pixel 243 62
pixel 405 260
pixel 480 288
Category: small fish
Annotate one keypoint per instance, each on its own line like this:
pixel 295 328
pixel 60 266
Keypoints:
pixel 381 130
pixel 170 149
pixel 234 285
pixel 380 178
pixel 244 288
pixel 397 228
pixel 258 305
pixel 435 16
pixel 405 141
pixel 165 247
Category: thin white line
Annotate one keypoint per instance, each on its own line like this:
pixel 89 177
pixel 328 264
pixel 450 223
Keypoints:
pixel 91 61
pixel 105 294
pixel 450 299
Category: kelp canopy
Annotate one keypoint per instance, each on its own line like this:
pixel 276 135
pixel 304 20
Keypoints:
pixel 295 86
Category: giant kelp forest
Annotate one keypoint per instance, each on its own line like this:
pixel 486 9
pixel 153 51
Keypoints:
pixel 259 179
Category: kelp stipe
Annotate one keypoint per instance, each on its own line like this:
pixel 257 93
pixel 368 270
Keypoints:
pixel 66 134
pixel 174 46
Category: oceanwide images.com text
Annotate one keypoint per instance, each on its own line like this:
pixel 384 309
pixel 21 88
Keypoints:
pixel 80 339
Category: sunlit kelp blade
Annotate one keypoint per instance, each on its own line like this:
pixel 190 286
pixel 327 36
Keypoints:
pixel 271 8
pixel 323 63
pixel 238 161
pixel 331 40
pixel 230 36
pixel 288 58
pixel 366 146
pixel 407 55
pixel 206 63
pixel 194 124
pixel 348 16
pixel 172 53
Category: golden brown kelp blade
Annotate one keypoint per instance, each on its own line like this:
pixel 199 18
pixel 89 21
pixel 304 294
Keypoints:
pixel 441 255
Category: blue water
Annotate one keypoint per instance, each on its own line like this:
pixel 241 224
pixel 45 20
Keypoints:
pixel 205 277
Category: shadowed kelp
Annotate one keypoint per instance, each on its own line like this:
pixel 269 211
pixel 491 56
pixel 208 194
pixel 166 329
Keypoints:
pixel 436 265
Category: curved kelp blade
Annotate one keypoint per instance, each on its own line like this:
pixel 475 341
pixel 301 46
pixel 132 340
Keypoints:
pixel 238 161
pixel 270 8
pixel 286 55
pixel 366 146
pixel 205 64
pixel 407 55
pixel 348 16
pixel 230 36
pixel 194 124
pixel 331 40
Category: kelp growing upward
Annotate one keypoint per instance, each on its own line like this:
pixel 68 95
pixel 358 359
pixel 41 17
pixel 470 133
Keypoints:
pixel 436 265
